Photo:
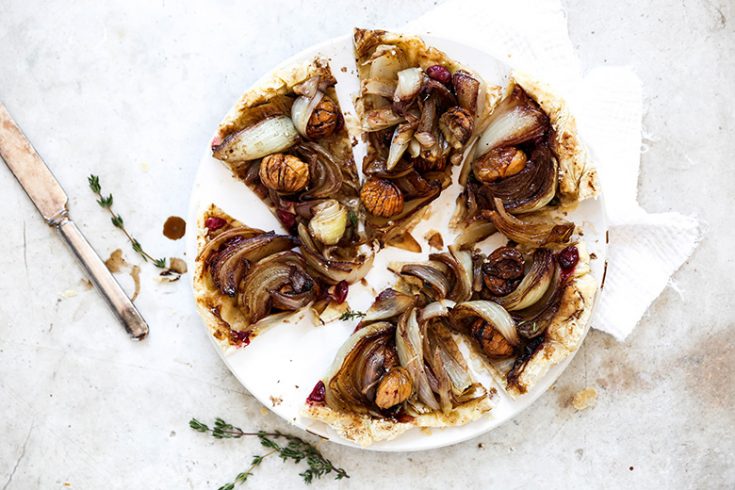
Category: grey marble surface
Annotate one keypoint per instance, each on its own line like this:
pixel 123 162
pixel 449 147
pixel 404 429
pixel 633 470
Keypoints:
pixel 131 91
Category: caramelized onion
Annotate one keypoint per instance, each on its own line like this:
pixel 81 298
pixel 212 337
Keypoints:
pixel 377 86
pixel 409 84
pixel 271 135
pixel 409 345
pixel 388 304
pixel 282 273
pixel 533 187
pixel 357 369
pixel 386 62
pixel 474 233
pixel 228 266
pixel 516 119
pixel 353 264
pixel 491 312
pixel 535 234
pixel 302 109
pixel 436 309
pixel 399 143
pixel 534 284
pixel 379 119
pixel 447 364
pixel 325 172
pixel 534 320
pixel 241 232
pixel 436 283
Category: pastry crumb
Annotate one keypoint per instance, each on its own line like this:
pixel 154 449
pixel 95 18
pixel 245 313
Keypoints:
pixel 115 261
pixel 584 399
pixel 276 400
pixel 435 240
pixel 263 411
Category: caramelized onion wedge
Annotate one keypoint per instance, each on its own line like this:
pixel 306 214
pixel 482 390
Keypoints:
pixel 398 145
pixel 409 85
pixel 272 274
pixel 385 62
pixel 217 242
pixel 354 266
pixel 434 281
pixel 346 378
pixel 526 232
pixel 302 109
pixel 227 268
pixel 436 309
pixel 409 345
pixel 534 284
pixel 378 119
pixel 474 233
pixel 389 303
pixel 325 172
pixel 534 320
pixel 516 119
pixel 376 86
pixel 492 313
pixel 271 135
pixel 533 187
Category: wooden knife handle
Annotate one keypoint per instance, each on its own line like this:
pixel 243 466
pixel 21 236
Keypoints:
pixel 103 279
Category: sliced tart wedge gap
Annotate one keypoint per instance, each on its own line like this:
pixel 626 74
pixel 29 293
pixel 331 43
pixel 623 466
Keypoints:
pixel 420 112
pixel 286 140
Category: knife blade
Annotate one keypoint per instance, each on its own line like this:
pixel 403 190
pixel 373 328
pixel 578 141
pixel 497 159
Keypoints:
pixel 51 201
pixel 27 166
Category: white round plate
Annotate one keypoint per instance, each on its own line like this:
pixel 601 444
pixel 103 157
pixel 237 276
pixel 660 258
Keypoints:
pixel 281 366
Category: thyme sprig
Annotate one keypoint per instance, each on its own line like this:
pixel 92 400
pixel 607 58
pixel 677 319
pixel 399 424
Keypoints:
pixel 296 450
pixel 351 314
pixel 117 221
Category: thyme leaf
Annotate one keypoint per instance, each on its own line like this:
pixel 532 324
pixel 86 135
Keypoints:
pixel 105 202
pixel 350 314
pixel 295 449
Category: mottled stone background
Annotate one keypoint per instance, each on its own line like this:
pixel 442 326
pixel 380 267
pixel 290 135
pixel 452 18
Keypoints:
pixel 131 90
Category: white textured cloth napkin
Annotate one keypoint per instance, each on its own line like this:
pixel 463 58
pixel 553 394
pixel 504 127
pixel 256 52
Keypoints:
pixel 607 102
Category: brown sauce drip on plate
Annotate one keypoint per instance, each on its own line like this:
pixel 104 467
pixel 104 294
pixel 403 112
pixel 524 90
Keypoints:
pixel 174 228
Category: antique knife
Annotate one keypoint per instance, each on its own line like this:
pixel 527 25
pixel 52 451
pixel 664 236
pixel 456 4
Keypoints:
pixel 51 201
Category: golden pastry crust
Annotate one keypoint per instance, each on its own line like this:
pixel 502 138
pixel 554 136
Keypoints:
pixel 566 331
pixel 578 177
pixel 365 430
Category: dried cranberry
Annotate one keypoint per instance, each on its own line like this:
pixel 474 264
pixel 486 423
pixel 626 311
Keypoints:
pixel 568 258
pixel 287 219
pixel 340 292
pixel 241 338
pixel 214 223
pixel 439 73
pixel 318 394
pixel 216 141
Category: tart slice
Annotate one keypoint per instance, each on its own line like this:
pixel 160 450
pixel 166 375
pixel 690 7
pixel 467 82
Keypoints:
pixel 246 279
pixel 420 111
pixel 528 157
pixel 287 141
pixel 400 369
